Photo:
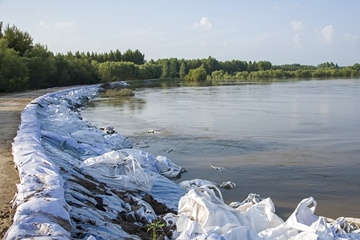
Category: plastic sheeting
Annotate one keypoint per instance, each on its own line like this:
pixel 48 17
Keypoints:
pixel 118 171
pixel 61 195
pixel 72 187
pixel 204 215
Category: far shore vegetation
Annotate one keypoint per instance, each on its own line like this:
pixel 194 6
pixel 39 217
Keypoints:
pixel 25 65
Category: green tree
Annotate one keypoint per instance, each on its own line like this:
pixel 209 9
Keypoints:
pixel 264 65
pixel 253 66
pixel 197 74
pixel 116 71
pixel 63 69
pixel 219 74
pixel 117 56
pixel 182 70
pixel 13 70
pixel 18 40
pixel 82 72
pixel 1 30
pixel 133 56
pixel 165 68
pixel 41 65
pixel 149 71
pixel 174 68
pixel 211 64
pixel 193 63
pixel 356 66
pixel 233 66
pixel 328 65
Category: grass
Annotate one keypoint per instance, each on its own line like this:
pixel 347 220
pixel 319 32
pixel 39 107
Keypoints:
pixel 123 92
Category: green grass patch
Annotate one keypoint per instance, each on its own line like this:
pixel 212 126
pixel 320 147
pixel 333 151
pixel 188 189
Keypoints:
pixel 112 93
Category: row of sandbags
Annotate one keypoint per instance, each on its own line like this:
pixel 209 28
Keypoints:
pixel 40 204
pixel 69 187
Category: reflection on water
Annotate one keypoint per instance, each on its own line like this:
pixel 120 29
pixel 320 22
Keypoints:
pixel 286 140
pixel 130 103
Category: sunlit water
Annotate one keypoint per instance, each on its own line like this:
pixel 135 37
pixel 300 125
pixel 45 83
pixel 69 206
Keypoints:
pixel 284 140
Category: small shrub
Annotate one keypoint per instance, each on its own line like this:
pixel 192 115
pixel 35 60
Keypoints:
pixel 124 92
pixel 154 227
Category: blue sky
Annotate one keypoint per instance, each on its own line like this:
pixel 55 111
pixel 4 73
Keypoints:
pixel 282 32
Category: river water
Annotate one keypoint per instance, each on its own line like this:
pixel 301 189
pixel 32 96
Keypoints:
pixel 286 140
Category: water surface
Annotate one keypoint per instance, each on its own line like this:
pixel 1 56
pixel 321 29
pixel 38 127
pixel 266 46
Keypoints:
pixel 286 140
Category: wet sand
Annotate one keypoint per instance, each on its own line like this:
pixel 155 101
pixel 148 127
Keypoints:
pixel 11 106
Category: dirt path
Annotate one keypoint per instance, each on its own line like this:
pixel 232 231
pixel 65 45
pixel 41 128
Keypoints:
pixel 11 106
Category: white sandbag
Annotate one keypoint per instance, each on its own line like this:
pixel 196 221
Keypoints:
pixel 243 206
pixel 227 232
pixel 262 216
pixel 168 168
pixel 93 138
pixel 302 224
pixel 202 212
pixel 117 141
pixel 160 164
pixel 346 226
pixel 147 160
pixel 118 171
pixel 166 191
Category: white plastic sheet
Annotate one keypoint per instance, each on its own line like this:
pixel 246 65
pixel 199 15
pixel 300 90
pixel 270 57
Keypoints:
pixel 118 171
pixel 203 215
pixel 168 168
pixel 57 199
pixel 304 224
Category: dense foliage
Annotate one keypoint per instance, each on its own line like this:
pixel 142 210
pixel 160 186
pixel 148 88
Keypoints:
pixel 25 65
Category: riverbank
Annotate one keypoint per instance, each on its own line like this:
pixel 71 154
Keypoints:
pixel 11 106
pixel 63 196
pixel 71 180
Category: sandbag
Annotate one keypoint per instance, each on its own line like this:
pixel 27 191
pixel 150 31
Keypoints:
pixel 303 224
pixel 118 171
pixel 202 212
pixel 168 168
pixel 160 164
pixel 262 216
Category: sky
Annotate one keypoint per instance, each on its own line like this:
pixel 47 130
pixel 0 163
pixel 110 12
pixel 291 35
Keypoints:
pixel 307 32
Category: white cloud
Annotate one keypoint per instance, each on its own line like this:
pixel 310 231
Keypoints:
pixel 57 25
pixel 204 23
pixel 327 33
pixel 297 25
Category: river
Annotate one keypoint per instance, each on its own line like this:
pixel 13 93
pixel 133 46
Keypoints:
pixel 286 140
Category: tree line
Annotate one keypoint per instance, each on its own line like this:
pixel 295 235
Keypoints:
pixel 25 65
